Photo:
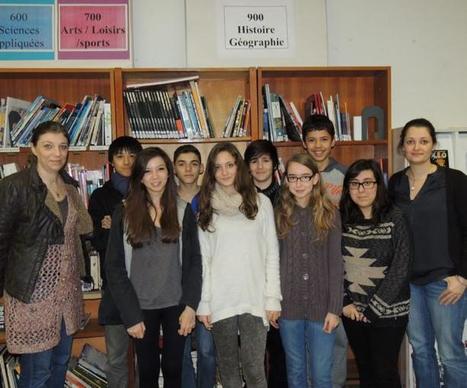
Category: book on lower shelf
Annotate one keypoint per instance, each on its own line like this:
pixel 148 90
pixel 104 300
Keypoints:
pixel 88 370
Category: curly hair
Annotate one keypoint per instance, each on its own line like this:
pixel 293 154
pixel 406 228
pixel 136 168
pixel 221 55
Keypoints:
pixel 321 208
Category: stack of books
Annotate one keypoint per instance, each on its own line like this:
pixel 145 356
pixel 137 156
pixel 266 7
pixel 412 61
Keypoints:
pixel 9 368
pixel 88 371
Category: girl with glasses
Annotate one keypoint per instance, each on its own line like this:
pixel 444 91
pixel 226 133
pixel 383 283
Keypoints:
pixel 309 232
pixel 376 251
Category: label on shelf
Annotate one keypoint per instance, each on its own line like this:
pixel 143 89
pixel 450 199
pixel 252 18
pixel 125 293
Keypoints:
pixel 27 30
pixel 88 31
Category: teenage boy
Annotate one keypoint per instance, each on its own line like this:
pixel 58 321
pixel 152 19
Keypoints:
pixel 188 168
pixel 122 153
pixel 318 135
pixel 262 161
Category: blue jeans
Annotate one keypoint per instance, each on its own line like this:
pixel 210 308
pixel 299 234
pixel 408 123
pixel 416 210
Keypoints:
pixel 206 360
pixel 429 320
pixel 46 368
pixel 304 339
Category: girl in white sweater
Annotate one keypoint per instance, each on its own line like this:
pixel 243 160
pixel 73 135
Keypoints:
pixel 241 283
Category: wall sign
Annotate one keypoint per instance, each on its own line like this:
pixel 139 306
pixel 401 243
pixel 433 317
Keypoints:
pixel 255 27
pixel 93 31
pixel 27 30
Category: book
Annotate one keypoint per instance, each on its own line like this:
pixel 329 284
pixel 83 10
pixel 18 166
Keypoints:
pixel 15 109
pixel 162 82
pixel 2 120
pixel 440 157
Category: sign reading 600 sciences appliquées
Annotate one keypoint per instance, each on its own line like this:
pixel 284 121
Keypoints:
pixel 26 30
pixel 263 27
pixel 93 30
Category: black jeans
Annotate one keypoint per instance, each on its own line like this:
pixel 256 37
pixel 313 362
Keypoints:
pixel 277 372
pixel 148 349
pixel 376 351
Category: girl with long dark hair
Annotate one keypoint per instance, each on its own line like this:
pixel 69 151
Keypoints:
pixel 241 289
pixel 153 267
pixel 376 251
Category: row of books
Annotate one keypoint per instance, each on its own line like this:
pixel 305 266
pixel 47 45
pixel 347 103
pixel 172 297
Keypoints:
pixel 9 368
pixel 238 120
pixel 88 122
pixel 87 371
pixel 282 122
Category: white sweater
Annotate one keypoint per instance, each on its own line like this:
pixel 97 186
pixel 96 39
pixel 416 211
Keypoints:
pixel 240 265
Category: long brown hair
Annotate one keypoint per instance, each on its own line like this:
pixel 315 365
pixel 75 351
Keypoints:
pixel 140 226
pixel 321 208
pixel 243 185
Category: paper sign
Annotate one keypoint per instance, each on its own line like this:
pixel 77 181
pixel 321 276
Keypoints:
pixel 93 31
pixel 255 27
pixel 27 30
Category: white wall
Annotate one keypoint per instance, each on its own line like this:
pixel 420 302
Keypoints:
pixel 423 40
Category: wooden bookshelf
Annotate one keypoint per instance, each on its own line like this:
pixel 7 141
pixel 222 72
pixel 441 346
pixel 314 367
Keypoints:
pixel 358 87
pixel 220 86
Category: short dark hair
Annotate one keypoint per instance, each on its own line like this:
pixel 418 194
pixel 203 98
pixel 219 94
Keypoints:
pixel 317 123
pixel 123 143
pixel 186 149
pixel 258 148
pixel 48 127
pixel 350 212
pixel 421 122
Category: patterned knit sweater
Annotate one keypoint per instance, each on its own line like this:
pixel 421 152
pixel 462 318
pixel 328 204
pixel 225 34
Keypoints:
pixel 376 262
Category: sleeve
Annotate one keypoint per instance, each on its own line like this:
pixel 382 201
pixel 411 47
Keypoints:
pixel 397 275
pixel 204 307
pixel 460 195
pixel 335 267
pixel 8 217
pixel 97 213
pixel 84 219
pixel 191 254
pixel 272 290
pixel 118 283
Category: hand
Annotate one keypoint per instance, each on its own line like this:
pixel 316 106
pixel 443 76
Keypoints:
pixel 206 320
pixel 273 316
pixel 106 222
pixel 453 291
pixel 187 321
pixel 350 311
pixel 137 331
pixel 330 322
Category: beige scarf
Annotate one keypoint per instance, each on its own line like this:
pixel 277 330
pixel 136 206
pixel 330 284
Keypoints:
pixel 225 203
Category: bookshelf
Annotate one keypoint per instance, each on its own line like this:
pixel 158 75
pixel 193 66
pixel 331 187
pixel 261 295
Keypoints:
pixel 358 87
pixel 220 87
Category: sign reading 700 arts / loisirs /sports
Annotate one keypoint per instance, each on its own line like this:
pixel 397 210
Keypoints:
pixel 93 30
pixel 27 30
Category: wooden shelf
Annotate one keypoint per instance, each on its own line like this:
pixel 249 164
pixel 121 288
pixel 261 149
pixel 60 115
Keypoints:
pixel 195 141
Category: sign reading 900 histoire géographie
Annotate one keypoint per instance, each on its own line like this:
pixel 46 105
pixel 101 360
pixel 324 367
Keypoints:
pixel 26 30
pixel 263 27
pixel 93 30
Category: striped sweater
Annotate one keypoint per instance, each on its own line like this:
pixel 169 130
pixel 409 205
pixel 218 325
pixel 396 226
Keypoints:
pixel 376 262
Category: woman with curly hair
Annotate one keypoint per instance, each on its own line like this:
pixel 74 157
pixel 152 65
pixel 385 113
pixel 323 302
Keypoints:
pixel 241 286
pixel 311 270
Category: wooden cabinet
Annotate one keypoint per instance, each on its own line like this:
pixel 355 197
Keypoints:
pixel 358 87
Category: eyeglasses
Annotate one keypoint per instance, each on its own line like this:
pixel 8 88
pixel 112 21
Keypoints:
pixel 355 185
pixel 296 178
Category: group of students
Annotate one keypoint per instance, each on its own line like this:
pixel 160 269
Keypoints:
pixel 250 266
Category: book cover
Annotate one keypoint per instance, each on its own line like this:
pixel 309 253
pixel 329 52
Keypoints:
pixel 15 109
pixel 440 157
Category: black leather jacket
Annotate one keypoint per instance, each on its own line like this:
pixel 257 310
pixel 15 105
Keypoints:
pixel 27 227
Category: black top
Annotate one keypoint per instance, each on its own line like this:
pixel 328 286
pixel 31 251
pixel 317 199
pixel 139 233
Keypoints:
pixel 272 191
pixel 428 219
pixel 455 206
pixel 376 263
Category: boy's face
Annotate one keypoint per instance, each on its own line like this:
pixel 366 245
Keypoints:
pixel 123 161
pixel 188 168
pixel 261 169
pixel 319 144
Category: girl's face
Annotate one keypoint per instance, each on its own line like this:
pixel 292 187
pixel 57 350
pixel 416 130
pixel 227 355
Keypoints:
pixel 363 189
pixel 418 145
pixel 51 151
pixel 156 176
pixel 300 181
pixel 225 171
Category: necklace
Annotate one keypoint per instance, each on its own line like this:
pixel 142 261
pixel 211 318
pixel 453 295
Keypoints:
pixel 413 179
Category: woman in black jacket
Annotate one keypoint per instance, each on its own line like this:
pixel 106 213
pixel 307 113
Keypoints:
pixel 41 219
pixel 153 267
pixel 435 201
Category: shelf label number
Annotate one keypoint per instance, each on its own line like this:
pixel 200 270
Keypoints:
pixel 93 16
pixel 20 17
pixel 255 17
